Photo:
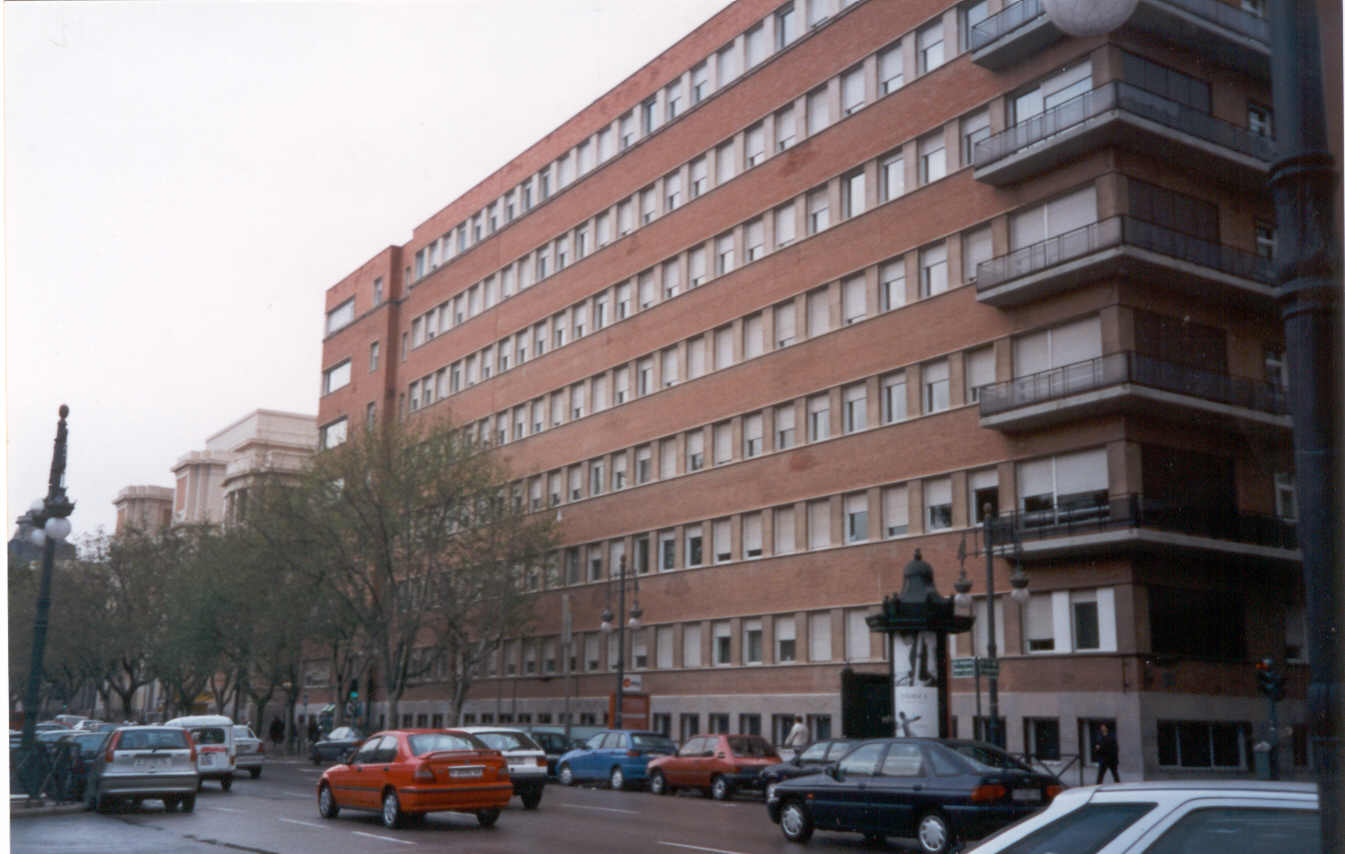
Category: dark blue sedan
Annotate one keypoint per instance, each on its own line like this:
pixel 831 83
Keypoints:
pixel 935 791
pixel 620 757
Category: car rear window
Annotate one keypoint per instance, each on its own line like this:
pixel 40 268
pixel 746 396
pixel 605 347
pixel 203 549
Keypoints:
pixel 985 758
pixel 1246 830
pixel 507 741
pixel 1083 831
pixel 209 735
pixel 644 741
pixel 343 733
pixel 90 741
pixel 431 742
pixel 149 739
pixel 746 746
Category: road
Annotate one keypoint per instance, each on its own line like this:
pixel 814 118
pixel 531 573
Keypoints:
pixel 277 814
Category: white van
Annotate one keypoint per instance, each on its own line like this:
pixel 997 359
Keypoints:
pixel 216 755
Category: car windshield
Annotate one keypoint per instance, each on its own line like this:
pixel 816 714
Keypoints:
pixel 343 733
pixel 432 742
pixel 743 745
pixel 988 758
pixel 90 741
pixel 1086 829
pixel 651 741
pixel 149 739
pixel 507 741
pixel 209 735
pixel 241 731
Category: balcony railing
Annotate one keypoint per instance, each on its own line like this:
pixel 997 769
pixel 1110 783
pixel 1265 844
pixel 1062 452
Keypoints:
pixel 1009 19
pixel 1073 518
pixel 1121 231
pixel 1131 367
pixel 1121 96
pixel 1227 16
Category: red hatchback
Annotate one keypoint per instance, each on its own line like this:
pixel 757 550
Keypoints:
pixel 407 773
pixel 718 765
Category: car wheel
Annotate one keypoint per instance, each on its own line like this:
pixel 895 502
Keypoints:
pixel 170 804
pixel 795 822
pixel 658 784
pixel 327 807
pixel 226 782
pixel 255 772
pixel 91 797
pixel 532 799
pixel 487 818
pixel 392 811
pixel 565 775
pixel 933 833
pixel 720 789
pixel 188 803
pixel 617 778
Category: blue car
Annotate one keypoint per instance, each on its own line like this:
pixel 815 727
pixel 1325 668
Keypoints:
pixel 617 756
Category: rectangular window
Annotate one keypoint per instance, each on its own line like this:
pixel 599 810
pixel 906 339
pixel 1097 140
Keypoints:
pixel 700 83
pixel 673 97
pixel 1066 487
pixel 332 434
pixel 695 450
pixel 723 347
pixel 753 340
pixel 667 459
pixel 663 647
pixel 644 464
pixel 896 519
pixel 752 642
pixel 597 482
pixel 819 113
pixel 819 211
pixel 783 520
pixel 672 191
pixel 785 639
pixel 751 535
pixel 852 90
pixel 982 492
pixel 892 284
pixel 856 517
pixel 648 205
pixel 786 129
pixel 670 374
pixel 691 654
pixel 890 69
pixel 856 636
pixel 894 397
pixel 980 371
pixel 754 144
pixel 856 415
pixel 784 226
pixel 641 558
pixel 644 376
pixel 929 47
pixel 752 437
pixel 784 427
pixel 818 311
pixel 728 64
pixel 626 128
pixel 341 316
pixel 667 551
pixel 700 181
pixel 853 300
pixel 649 118
pixel 819 637
pixel 754 239
pixel 933 164
pixel 819 524
pixel 723 646
pixel 934 380
pixel 724 164
pixel 974 128
pixel 1197 744
pixel 786 26
pixel 938 504
pixel 933 270
pixel 337 376
pixel 723 541
pixel 819 417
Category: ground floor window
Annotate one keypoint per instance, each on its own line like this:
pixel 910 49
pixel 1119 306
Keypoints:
pixel 587 719
pixel 663 723
pixel 1042 737
pixel 1200 744
pixel 487 718
pixel 1090 733
pixel 422 720
pixel 719 722
pixel 437 721
pixel 981 730
pixel 688 725
pixel 819 726
pixel 749 724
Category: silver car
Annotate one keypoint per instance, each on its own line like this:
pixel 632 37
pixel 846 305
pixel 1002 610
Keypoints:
pixel 145 762
pixel 527 760
pixel 250 751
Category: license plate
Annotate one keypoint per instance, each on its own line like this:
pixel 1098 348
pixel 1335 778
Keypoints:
pixel 153 763
pixel 207 759
pixel 1027 795
pixel 465 772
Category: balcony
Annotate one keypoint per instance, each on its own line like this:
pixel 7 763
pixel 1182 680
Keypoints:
pixel 1101 524
pixel 1118 113
pixel 1219 31
pixel 1125 246
pixel 1133 382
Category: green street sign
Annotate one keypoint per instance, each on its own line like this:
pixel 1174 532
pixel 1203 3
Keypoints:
pixel 964 668
pixel 988 666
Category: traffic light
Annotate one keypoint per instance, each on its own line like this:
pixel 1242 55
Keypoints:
pixel 354 689
pixel 1269 680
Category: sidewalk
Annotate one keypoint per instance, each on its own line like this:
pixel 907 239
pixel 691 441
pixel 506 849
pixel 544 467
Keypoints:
pixel 21 807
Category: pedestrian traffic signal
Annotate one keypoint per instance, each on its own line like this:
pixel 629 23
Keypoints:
pixel 1269 680
pixel 354 689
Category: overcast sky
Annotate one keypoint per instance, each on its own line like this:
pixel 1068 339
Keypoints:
pixel 183 181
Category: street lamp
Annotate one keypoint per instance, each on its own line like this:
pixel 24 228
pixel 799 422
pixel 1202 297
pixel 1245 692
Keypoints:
pixel 51 524
pixel 962 603
pixel 620 627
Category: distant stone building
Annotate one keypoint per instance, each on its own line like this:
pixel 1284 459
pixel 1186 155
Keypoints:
pixel 144 508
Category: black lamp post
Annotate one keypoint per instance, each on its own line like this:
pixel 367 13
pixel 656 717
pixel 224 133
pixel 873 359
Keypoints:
pixel 620 627
pixel 1017 580
pixel 51 524
pixel 1307 268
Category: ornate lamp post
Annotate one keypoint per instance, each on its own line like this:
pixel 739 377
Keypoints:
pixel 620 628
pixel 51 525
pixel 1017 580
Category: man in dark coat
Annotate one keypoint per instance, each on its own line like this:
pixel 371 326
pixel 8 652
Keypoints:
pixel 1106 752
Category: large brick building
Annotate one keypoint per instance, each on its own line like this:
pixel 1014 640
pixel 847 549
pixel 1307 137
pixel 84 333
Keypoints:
pixel 812 288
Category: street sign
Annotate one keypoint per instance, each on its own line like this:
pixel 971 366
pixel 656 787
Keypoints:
pixel 633 682
pixel 988 666
pixel 964 668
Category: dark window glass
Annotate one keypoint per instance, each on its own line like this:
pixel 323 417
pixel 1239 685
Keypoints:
pixel 1083 831
pixel 1174 339
pixel 1170 84
pixel 863 761
pixel 1173 210
pixel 1045 732
pixel 1193 740
pixel 1203 623
pixel 1247 830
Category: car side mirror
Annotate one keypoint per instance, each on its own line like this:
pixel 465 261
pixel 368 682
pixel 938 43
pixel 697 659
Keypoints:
pixel 833 771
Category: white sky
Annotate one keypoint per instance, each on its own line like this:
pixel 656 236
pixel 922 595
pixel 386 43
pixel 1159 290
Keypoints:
pixel 183 181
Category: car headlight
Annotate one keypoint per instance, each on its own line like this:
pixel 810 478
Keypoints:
pixel 770 791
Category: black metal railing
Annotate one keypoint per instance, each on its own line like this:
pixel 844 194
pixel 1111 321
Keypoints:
pixel 1072 518
pixel 1129 366
pixel 1057 766
pixel 1005 21
pixel 1118 95
pixel 1121 231
pixel 1227 16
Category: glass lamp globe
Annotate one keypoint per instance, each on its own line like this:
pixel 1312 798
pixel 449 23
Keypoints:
pixel 1020 595
pixel 37 537
pixel 962 603
pixel 1088 17
pixel 37 506
pixel 58 528
pixel 605 625
pixel 634 622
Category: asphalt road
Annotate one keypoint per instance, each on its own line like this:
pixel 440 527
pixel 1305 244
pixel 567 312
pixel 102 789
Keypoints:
pixel 277 814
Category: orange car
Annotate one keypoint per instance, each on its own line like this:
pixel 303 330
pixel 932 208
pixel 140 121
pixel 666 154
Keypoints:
pixel 406 773
pixel 718 765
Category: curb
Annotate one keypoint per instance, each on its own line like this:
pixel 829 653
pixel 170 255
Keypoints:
pixel 23 810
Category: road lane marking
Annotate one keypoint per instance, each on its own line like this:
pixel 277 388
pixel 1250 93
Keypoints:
pixel 304 795
pixel 221 809
pixel 604 809
pixel 697 847
pixel 384 838
pixel 304 823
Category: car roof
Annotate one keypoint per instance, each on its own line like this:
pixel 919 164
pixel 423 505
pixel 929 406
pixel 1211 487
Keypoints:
pixel 1213 787
pixel 201 720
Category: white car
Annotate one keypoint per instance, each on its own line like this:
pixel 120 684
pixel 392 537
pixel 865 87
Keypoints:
pixel 526 758
pixel 1172 817
pixel 249 751
pixel 216 755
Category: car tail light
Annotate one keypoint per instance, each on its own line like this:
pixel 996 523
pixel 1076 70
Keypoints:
pixel 1052 791
pixel 261 747
pixel 987 792
pixel 112 746
pixel 424 772
pixel 541 762
pixel 191 745
pixel 632 753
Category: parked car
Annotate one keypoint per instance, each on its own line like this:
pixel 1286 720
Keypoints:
pixel 527 760
pixel 249 750
pixel 84 750
pixel 406 773
pixel 1170 817
pixel 145 762
pixel 810 760
pixel 216 755
pixel 335 745
pixel 89 725
pixel 555 744
pixel 718 765
pixel 937 791
pixel 618 756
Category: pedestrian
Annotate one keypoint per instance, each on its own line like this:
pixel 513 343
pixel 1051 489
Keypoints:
pixel 277 732
pixel 798 735
pixel 313 732
pixel 1106 753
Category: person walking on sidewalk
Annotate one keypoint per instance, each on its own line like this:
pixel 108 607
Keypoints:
pixel 1107 753
pixel 798 735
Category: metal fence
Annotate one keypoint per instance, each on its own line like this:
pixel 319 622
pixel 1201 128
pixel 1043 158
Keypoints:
pixel 1009 19
pixel 1224 15
pixel 52 771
